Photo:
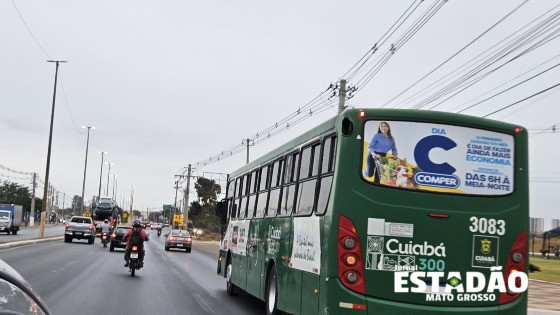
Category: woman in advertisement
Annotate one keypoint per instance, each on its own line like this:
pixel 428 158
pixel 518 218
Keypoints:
pixel 381 143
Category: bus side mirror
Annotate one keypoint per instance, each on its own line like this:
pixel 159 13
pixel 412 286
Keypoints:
pixel 221 207
pixel 221 211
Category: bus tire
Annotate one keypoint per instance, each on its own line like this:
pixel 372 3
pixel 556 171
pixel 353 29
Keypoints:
pixel 271 298
pixel 230 287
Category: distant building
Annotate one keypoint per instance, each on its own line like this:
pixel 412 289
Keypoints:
pixel 555 223
pixel 536 226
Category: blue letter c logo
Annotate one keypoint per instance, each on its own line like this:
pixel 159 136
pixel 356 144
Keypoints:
pixel 422 151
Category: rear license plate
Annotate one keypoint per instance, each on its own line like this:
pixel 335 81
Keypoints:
pixel 133 255
pixel 104 237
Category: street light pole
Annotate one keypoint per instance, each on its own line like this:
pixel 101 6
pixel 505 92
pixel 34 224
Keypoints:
pixel 45 190
pixel 100 174
pixel 114 183
pixel 85 167
pixel 108 172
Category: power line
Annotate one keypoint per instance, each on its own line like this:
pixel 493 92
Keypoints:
pixel 522 100
pixel 14 171
pixel 29 30
pixel 493 54
pixel 511 87
pixel 68 106
pixel 457 53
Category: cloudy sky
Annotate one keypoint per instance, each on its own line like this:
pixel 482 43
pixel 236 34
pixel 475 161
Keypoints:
pixel 168 83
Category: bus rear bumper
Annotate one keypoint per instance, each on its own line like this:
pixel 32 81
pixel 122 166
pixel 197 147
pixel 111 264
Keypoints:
pixel 377 306
pixel 340 300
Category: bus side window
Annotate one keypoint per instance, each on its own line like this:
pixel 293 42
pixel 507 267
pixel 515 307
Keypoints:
pixel 235 197
pixel 252 195
pixel 307 184
pixel 229 195
pixel 241 205
pixel 262 192
pixel 275 182
pixel 288 190
pixel 326 178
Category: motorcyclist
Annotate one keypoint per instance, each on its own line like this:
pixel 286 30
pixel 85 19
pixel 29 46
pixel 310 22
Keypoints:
pixel 136 226
pixel 105 227
pixel 159 229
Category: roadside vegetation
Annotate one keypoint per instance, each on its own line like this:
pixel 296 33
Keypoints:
pixel 549 268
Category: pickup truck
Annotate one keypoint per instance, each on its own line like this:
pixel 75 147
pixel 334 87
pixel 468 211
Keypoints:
pixel 80 228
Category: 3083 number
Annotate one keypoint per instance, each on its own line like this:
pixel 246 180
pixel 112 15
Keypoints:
pixel 487 226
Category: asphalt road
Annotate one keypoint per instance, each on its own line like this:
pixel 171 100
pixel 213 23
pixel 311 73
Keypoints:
pixel 32 232
pixel 78 278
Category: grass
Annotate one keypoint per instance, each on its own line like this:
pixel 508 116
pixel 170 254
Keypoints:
pixel 550 269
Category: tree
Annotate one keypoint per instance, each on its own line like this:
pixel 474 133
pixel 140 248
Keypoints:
pixel 17 194
pixel 202 211
pixel 77 203
pixel 207 190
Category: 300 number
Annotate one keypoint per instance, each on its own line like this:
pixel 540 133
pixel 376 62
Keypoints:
pixel 431 264
pixel 487 226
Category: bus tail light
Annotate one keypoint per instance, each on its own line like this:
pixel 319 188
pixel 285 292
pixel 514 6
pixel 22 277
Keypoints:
pixel 350 262
pixel 361 114
pixel 516 261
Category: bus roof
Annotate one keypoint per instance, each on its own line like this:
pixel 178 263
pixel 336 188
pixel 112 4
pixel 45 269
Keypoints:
pixel 377 113
pixel 321 129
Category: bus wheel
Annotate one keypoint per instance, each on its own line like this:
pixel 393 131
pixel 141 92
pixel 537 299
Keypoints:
pixel 230 287
pixel 272 293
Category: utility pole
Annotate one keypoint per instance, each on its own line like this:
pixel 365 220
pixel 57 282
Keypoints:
pixel 108 172
pixel 100 174
pixel 131 198
pixel 341 96
pixel 32 214
pixel 85 168
pixel 247 151
pixel 175 205
pixel 45 191
pixel 114 187
pixel 63 203
pixel 186 197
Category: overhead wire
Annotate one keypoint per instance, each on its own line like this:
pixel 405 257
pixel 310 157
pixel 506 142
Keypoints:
pixel 405 37
pixel 522 100
pixel 456 53
pixel 479 58
pixel 509 88
pixel 494 57
pixel 503 84
pixel 29 30
pixel 381 41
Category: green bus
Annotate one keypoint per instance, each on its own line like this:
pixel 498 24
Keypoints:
pixel 383 211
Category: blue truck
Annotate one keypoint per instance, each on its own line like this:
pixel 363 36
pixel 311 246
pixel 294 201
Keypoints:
pixel 10 218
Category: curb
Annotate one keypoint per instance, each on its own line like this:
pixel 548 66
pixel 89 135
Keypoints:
pixel 28 242
pixel 543 281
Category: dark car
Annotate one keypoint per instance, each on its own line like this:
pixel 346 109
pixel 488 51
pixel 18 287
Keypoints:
pixel 179 239
pixel 117 237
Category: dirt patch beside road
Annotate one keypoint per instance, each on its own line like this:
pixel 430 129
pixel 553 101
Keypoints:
pixel 209 247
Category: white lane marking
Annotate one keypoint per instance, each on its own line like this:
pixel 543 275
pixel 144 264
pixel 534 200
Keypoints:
pixel 203 303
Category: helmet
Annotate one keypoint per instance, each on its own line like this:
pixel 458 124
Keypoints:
pixel 136 223
pixel 106 221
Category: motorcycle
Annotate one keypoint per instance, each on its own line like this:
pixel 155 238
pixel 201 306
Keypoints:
pixel 158 233
pixel 134 262
pixel 105 238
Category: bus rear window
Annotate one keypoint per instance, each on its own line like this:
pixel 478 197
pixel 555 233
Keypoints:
pixel 437 157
